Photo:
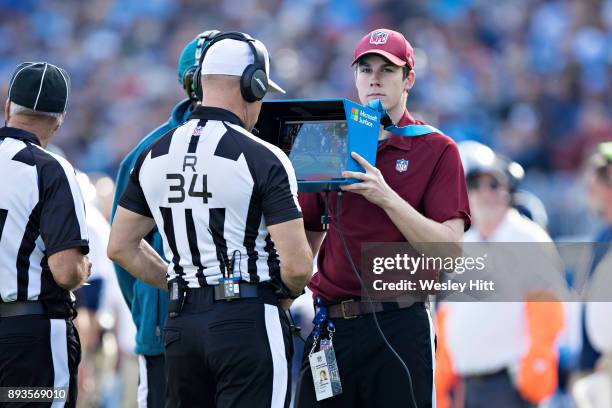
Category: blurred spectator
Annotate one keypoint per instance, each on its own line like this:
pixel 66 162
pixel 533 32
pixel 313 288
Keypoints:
pixel 502 351
pixel 99 311
pixel 599 186
pixel 88 297
pixel 594 390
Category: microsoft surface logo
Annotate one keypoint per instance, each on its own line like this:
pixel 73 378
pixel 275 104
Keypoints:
pixel 355 114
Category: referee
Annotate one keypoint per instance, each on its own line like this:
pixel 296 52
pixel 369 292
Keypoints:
pixel 43 239
pixel 225 203
pixel 148 305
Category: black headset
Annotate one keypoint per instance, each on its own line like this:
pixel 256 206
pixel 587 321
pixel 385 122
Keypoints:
pixel 254 79
pixel 189 85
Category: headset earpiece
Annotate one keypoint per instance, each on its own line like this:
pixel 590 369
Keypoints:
pixel 192 78
pixel 254 78
pixel 188 82
pixel 253 83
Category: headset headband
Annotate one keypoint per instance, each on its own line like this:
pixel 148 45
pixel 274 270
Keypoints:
pixel 258 55
pixel 254 77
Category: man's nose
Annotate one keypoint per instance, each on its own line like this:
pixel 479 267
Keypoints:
pixel 375 79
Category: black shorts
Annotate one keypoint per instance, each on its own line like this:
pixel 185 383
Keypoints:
pixel 222 354
pixel 370 374
pixel 36 351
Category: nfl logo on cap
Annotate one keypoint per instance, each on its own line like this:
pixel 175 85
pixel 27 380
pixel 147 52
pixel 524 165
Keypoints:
pixel 401 165
pixel 379 37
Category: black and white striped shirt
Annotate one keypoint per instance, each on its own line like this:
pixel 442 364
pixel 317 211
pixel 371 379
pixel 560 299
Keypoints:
pixel 213 188
pixel 41 213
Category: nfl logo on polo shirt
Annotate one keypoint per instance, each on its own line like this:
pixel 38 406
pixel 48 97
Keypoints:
pixel 379 37
pixel 401 165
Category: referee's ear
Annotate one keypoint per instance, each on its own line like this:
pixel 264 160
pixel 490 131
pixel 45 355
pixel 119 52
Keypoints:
pixel 58 123
pixel 7 111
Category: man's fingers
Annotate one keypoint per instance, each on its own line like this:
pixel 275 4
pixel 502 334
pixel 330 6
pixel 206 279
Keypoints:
pixel 363 162
pixel 354 174
pixel 356 187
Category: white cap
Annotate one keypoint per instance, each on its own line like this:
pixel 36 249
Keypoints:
pixel 231 57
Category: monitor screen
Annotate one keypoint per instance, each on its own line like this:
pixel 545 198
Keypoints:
pixel 317 150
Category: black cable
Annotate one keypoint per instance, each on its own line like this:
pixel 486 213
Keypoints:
pixel 295 330
pixel 350 258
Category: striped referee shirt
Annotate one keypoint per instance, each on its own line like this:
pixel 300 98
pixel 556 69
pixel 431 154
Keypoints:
pixel 41 213
pixel 213 188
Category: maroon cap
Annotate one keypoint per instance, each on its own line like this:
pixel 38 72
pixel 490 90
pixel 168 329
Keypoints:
pixel 388 43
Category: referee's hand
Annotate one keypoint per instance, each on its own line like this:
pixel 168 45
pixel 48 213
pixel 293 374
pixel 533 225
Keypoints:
pixel 86 270
pixel 70 268
pixel 372 186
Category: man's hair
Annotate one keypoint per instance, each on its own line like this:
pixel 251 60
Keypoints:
pixel 405 68
pixel 51 117
pixel 221 78
pixel 405 71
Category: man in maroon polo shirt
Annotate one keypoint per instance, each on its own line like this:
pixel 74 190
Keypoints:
pixel 416 194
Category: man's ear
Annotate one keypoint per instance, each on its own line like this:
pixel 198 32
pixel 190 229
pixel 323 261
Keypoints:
pixel 409 82
pixel 7 111
pixel 58 123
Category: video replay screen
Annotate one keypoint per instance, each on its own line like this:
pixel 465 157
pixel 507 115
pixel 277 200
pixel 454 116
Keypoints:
pixel 317 150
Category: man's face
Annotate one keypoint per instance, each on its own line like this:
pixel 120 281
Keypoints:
pixel 488 196
pixel 378 78
pixel 599 196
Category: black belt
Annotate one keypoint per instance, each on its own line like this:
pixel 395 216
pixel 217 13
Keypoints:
pixel 12 309
pixel 351 308
pixel 247 290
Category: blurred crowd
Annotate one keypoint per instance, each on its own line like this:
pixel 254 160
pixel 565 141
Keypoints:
pixel 529 78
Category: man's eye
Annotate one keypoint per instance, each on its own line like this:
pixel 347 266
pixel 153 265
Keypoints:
pixel 366 70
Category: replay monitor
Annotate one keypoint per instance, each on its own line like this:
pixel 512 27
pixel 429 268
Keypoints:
pixel 317 150
pixel 319 136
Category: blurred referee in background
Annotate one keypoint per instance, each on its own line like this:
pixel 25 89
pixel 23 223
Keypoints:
pixel 225 203
pixel 149 306
pixel 43 237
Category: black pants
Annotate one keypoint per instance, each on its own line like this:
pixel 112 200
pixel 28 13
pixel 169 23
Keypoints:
pixel 36 351
pixel 228 354
pixel 151 381
pixel 370 374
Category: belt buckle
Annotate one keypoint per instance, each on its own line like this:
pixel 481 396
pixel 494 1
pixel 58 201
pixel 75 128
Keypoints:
pixel 342 306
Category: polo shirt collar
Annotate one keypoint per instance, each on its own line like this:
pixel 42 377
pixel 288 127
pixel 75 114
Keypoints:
pixel 213 113
pixel 16 133
pixel 401 142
